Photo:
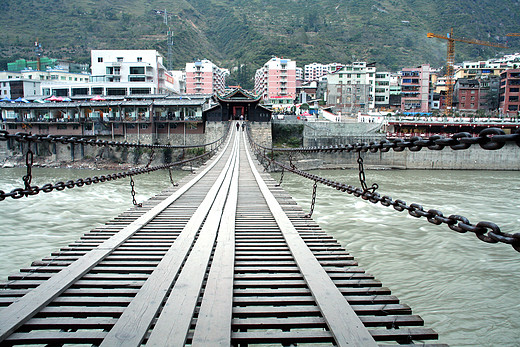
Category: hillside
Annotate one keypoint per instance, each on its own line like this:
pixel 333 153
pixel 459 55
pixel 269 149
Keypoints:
pixel 248 32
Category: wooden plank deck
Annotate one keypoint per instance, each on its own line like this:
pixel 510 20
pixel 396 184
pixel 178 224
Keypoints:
pixel 227 258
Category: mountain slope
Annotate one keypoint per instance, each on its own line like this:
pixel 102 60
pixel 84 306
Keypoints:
pixel 248 32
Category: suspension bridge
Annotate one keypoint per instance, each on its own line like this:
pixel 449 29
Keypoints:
pixel 225 257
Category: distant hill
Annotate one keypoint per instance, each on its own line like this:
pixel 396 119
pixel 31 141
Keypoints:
pixel 247 33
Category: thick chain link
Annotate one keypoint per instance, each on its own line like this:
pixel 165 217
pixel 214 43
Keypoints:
pixel 489 139
pixel 171 178
pixel 313 201
pixel 362 178
pixel 49 187
pixel 485 231
pixel 38 138
pixel 132 184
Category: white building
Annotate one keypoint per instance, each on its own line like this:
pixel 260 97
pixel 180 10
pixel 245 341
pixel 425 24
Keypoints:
pixel 352 88
pixel 314 71
pixel 54 75
pixel 117 73
pixel 19 88
pixel 134 71
pixel 382 90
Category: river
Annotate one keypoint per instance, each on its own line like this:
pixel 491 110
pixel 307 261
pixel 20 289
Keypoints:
pixel 463 288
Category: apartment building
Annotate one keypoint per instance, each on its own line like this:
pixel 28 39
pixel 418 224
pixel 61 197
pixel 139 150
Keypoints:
pixel 141 70
pixel 117 73
pixel 415 89
pixel 51 74
pixel 275 82
pixel 314 71
pixel 18 88
pixel 351 89
pixel 510 92
pixel 478 69
pixel 467 95
pixel 382 90
pixel 204 77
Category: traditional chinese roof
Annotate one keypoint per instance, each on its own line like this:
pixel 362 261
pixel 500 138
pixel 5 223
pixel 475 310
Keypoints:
pixel 239 94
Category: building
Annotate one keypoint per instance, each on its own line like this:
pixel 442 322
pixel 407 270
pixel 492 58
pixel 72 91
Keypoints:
pixel 314 71
pixel 382 90
pixel 489 93
pixel 510 92
pixel 237 105
pixel 148 119
pixel 22 64
pixel 275 82
pixel 128 72
pixel 49 75
pixel 18 88
pixel 115 73
pixel 415 89
pixel 467 95
pixel 478 69
pixel 351 88
pixel 204 77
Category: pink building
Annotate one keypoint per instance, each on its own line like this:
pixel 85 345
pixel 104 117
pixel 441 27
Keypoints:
pixel 415 89
pixel 276 82
pixel 204 77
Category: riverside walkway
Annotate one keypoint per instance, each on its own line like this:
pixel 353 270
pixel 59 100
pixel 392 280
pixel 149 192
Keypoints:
pixel 226 258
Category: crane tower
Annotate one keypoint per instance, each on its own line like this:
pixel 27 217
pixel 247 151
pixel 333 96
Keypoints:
pixel 451 58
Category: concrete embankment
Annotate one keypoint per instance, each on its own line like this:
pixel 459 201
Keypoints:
pixel 473 158
pixel 327 134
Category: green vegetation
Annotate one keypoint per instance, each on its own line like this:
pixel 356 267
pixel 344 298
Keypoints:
pixel 287 135
pixel 243 34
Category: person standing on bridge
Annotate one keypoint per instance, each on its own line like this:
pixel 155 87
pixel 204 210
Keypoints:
pixel 238 126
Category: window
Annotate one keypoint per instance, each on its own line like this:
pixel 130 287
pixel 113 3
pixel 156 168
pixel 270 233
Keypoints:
pixel 97 90
pixel 136 70
pixel 139 59
pixel 100 59
pixel 120 59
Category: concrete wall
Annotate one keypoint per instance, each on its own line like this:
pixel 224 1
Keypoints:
pixel 473 158
pixel 261 133
pixel 12 152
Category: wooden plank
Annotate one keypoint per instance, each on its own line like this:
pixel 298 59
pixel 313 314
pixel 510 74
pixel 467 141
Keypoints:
pixel 131 328
pixel 57 337
pixel 404 335
pixel 283 338
pixel 213 326
pixel 343 322
pixel 26 307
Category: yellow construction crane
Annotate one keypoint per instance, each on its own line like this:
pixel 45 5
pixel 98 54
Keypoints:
pixel 451 58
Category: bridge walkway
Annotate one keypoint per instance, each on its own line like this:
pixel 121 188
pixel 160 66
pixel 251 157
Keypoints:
pixel 225 258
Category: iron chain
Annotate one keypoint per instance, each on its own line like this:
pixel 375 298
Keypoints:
pixel 488 139
pixel 38 138
pixel 132 184
pixel 313 201
pixel 485 231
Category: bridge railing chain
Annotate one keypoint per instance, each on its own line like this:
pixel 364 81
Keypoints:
pixel 488 139
pixel 485 231
pixel 29 190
